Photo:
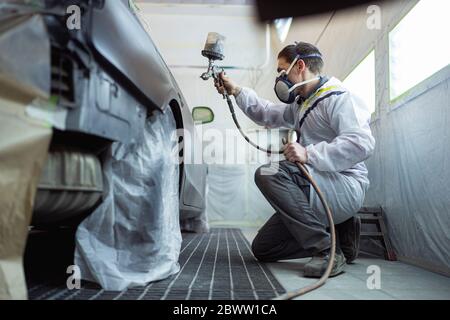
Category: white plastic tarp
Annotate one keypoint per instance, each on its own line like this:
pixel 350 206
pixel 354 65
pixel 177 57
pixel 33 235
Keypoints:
pixel 134 236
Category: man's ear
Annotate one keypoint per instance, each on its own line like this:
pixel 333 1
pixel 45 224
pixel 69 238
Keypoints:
pixel 301 65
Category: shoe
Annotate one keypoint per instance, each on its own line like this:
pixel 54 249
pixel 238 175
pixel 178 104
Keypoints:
pixel 316 267
pixel 348 234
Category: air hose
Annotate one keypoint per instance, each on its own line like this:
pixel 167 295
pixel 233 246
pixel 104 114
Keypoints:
pixel 325 276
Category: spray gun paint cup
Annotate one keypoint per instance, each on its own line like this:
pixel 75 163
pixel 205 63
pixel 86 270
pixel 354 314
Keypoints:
pixel 214 46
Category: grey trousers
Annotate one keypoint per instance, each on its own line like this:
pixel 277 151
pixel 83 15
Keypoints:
pixel 281 238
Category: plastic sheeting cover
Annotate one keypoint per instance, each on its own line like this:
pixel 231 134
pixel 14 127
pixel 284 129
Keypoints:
pixel 134 236
pixel 410 174
pixel 234 198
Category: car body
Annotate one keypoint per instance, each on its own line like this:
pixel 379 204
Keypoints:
pixel 106 83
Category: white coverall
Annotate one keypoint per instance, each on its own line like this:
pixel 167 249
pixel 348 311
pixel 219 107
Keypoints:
pixel 337 137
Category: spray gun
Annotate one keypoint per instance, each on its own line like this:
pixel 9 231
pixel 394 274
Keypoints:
pixel 214 50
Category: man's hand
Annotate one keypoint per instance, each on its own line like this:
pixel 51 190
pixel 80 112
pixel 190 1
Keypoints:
pixel 227 84
pixel 294 152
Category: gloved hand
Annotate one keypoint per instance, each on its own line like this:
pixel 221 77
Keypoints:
pixel 228 84
pixel 295 152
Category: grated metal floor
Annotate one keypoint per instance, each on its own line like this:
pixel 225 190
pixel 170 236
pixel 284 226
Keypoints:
pixel 215 266
pixel 398 281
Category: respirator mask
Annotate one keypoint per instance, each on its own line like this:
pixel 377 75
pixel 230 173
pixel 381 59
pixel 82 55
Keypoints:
pixel 284 88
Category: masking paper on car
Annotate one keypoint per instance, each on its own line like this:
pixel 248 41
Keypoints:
pixel 134 236
pixel 23 149
pixel 24 140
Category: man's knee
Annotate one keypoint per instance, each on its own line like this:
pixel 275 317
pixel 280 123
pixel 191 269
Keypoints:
pixel 261 177
pixel 257 252
pixel 255 249
pixel 260 251
pixel 266 174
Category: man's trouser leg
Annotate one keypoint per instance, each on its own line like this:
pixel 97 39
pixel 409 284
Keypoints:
pixel 281 238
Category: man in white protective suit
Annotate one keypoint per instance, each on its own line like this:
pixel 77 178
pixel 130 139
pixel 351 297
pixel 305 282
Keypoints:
pixel 334 141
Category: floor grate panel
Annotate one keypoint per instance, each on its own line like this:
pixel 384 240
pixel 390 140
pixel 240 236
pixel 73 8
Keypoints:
pixel 214 266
